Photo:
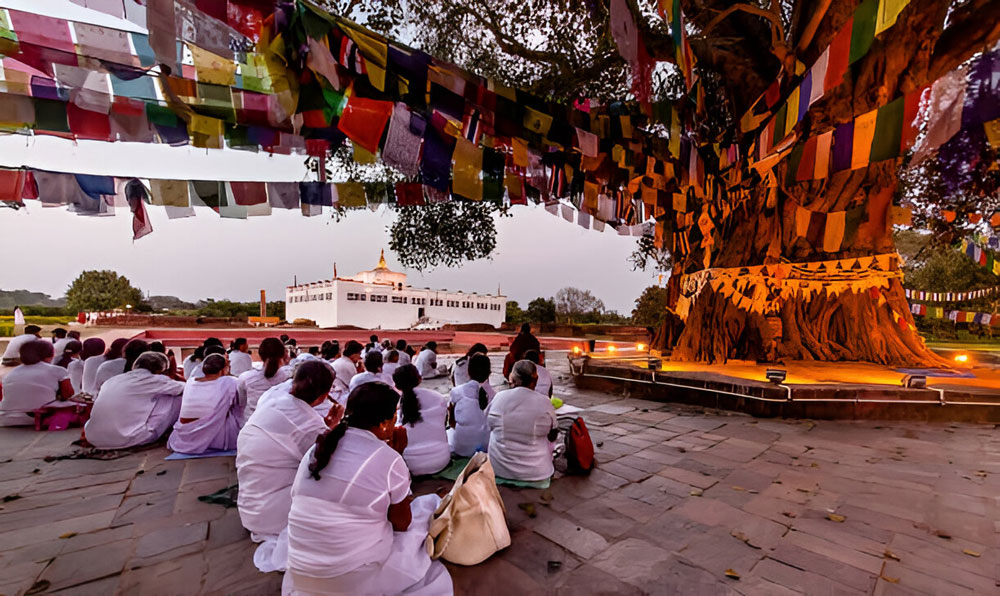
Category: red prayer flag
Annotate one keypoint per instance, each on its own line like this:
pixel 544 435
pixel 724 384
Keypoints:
pixel 364 120
pixel 840 51
pixel 11 185
pixel 808 162
pixel 409 194
pixel 249 193
pixel 911 106
pixel 30 190
pixel 772 94
pixel 87 124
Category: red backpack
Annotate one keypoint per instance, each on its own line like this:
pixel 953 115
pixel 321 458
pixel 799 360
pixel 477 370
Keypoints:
pixel 579 449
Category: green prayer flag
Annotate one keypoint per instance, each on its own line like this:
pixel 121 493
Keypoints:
pixel 793 161
pixel 50 115
pixel 779 123
pixel 493 174
pixel 161 115
pixel 863 32
pixel 888 131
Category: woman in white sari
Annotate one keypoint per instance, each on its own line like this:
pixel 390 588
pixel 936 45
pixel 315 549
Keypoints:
pixel 469 432
pixel 137 407
pixel 253 383
pixel 353 527
pixel 268 452
pixel 211 412
pixel 424 415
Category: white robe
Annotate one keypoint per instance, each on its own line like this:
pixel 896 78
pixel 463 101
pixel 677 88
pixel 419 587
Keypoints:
pixel 544 384
pixel 339 538
pixel 13 350
pixel 427 450
pixel 426 364
pixel 215 405
pixel 362 378
pixel 27 388
pixel 253 384
pixel 404 358
pixel 188 365
pixel 239 363
pixel 18 317
pixel 107 369
pixel 520 420
pixel 59 346
pixel 90 366
pixel 75 368
pixel 344 369
pixel 269 450
pixel 460 372
pixel 134 408
pixel 471 434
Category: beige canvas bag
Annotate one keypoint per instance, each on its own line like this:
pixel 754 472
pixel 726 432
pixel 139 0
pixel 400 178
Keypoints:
pixel 470 523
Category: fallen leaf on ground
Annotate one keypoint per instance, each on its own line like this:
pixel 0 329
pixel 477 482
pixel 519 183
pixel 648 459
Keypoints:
pixel 10 498
pixel 528 508
pixel 732 574
pixel 697 492
pixel 942 534
pixel 891 580
pixel 68 535
pixel 836 517
pixel 546 497
pixel 971 553
pixel 981 474
pixel 739 535
pixel 738 488
pixel 888 554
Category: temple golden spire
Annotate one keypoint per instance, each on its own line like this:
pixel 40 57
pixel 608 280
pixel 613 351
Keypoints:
pixel 381 261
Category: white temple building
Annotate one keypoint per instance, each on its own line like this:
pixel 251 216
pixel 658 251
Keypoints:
pixel 381 299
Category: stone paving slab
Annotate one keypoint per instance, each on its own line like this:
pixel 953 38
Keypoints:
pixel 684 501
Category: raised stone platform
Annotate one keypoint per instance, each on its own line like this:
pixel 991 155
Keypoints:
pixel 812 390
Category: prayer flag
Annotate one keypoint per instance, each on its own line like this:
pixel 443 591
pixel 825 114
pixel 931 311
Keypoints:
pixel 409 194
pixel 16 111
pixel 136 195
pixel 802 216
pixel 170 193
pixel 803 92
pixel 212 68
pixel 363 120
pixel 537 122
pixel 792 115
pixel 864 133
pixel 320 194
pixel 402 145
pixel 207 193
pixel 96 186
pixel 818 74
pixel 283 195
pixel 993 132
pixel 911 126
pixel 834 233
pixel 467 167
pixel 807 165
pixel 843 139
pixel 863 29
pixel 493 175
pixel 11 185
pixel 944 112
pixel 87 124
pixel 249 193
pixel 435 167
pixel 839 50
pixel 350 195
pixel 888 11
pixel 888 131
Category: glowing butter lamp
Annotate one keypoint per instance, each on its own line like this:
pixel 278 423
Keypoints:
pixel 640 347
pixel 962 358
pixel 612 349
pixel 576 349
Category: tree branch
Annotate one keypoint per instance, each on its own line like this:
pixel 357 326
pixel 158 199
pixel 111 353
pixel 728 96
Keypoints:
pixel 812 26
pixel 777 29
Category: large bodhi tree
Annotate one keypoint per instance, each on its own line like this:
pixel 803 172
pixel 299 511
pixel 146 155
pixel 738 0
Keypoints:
pixel 564 49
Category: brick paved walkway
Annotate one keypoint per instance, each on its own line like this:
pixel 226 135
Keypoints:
pixel 680 498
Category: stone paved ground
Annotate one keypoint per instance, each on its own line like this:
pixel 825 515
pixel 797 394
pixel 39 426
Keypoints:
pixel 680 497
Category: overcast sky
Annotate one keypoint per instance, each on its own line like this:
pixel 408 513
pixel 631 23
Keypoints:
pixel 207 257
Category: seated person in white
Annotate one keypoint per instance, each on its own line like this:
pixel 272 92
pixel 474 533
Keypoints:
pixel 114 363
pixel 12 354
pixel 69 359
pixel 424 415
pixel 268 452
pixel 426 361
pixel 254 382
pixel 93 358
pixel 390 365
pixel 240 360
pixel 404 357
pixel 345 368
pixel 35 383
pixel 523 427
pixel 192 364
pixel 196 370
pixel 460 370
pixel 467 412
pixel 373 371
pixel 137 407
pixel 544 385
pixel 353 527
pixel 330 350
pixel 211 411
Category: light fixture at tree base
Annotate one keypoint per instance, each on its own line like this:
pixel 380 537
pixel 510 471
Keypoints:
pixel 915 381
pixel 776 375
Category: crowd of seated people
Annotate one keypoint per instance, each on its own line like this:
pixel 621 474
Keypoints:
pixel 326 441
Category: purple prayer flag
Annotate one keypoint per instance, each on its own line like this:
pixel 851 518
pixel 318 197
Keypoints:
pixel 982 95
pixel 805 90
pixel 283 195
pixel 843 143
pixel 316 193
pixel 435 168
pixel 45 88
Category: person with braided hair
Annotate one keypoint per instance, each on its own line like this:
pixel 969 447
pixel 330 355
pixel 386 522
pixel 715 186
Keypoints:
pixel 353 527
pixel 469 433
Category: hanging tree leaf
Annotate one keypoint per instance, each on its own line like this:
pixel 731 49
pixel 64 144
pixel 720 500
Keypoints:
pixel 443 234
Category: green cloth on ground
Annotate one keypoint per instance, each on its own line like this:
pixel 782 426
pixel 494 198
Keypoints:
pixel 458 464
pixel 225 497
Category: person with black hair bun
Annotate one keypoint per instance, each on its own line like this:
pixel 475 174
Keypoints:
pixel 373 371
pixel 12 354
pixel 467 412
pixel 211 410
pixel 353 527
pixel 193 361
pixel 255 382
pixel 460 370
pixel 268 452
pixel 70 360
pixel 345 368
pixel 34 384
pixel 424 415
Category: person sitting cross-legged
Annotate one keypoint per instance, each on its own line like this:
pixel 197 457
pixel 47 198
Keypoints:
pixel 523 427
pixel 136 407
pixel 424 415
pixel 353 527
pixel 467 412
pixel 211 411
pixel 268 452
pixel 34 384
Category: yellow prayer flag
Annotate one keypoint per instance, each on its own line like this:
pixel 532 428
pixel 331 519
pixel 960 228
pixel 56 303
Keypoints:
pixel 467 166
pixel 626 122
pixel 375 52
pixel 362 155
pixel 792 114
pixel 802 216
pixel 205 131
pixel 212 68
pixel 674 144
pixel 864 134
pixel 680 202
pixel 591 191
pixel 536 121
pixel 170 193
pixel 888 11
pixel 520 152
pixel 993 132
pixel 833 237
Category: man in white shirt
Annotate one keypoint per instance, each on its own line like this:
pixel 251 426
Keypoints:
pixel 523 427
pixel 12 355
pixel 426 361
pixel 404 358
pixel 373 371
pixel 345 368
pixel 240 360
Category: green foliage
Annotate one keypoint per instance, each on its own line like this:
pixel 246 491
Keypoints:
pixel 650 306
pixel 574 305
pixel 37 320
pixel 6 329
pixel 102 290
pixel 443 234
pixel 540 310
pixel 25 299
pixel 933 267
pixel 231 309
pixel 515 314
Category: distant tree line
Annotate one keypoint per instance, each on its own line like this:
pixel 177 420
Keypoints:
pixel 581 307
